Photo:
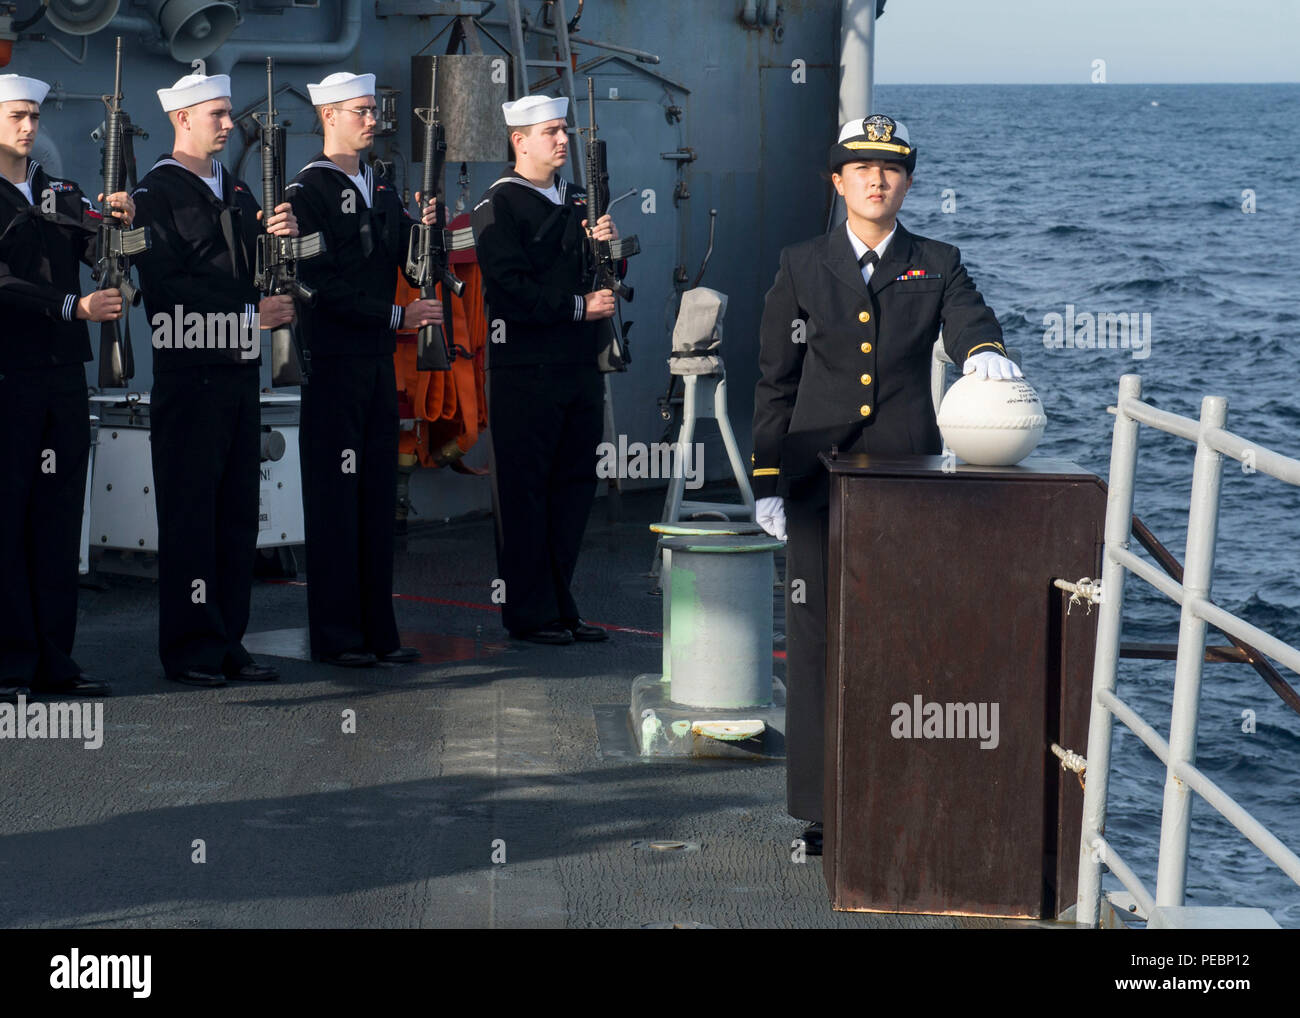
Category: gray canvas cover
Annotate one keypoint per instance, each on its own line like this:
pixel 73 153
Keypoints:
pixel 697 336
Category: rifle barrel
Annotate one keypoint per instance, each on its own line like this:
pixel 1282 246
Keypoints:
pixel 271 184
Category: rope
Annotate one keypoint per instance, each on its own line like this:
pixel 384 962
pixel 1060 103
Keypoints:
pixel 1071 761
pixel 1086 591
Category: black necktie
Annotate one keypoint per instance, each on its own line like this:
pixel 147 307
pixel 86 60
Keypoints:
pixel 869 257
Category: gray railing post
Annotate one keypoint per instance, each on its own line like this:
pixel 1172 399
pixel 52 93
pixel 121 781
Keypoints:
pixel 1119 525
pixel 1198 570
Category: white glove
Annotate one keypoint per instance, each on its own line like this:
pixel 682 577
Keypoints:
pixel 987 364
pixel 770 514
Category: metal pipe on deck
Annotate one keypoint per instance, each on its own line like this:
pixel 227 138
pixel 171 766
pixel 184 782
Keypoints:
pixel 147 31
pixel 1126 876
pixel 1198 572
pixel 339 48
pixel 1119 515
pixel 857 70
pixel 640 55
pixel 857 58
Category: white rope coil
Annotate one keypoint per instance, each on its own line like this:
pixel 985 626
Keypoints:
pixel 1086 591
pixel 1070 760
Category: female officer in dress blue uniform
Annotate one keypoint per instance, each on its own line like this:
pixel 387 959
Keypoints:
pixel 846 341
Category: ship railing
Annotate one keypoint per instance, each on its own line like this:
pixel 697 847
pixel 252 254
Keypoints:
pixel 1178 754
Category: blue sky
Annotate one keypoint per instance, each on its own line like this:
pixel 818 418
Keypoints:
pixel 1040 41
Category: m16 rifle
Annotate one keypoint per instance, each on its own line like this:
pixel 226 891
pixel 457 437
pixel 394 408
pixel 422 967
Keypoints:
pixel 116 243
pixel 615 354
pixel 426 258
pixel 278 257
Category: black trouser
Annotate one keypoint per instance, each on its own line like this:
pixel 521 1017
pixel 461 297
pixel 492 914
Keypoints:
pixel 204 429
pixel 348 446
pixel 545 422
pixel 807 530
pixel 44 448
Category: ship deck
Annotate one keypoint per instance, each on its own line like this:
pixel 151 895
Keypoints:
pixel 489 747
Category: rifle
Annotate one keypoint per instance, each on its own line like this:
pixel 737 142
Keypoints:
pixel 116 244
pixel 615 354
pixel 426 257
pixel 278 257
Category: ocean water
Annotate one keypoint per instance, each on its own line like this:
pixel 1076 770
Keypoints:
pixel 1131 199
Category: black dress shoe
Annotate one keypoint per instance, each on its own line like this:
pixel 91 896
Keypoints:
pixel 555 635
pixel 79 685
pixel 197 677
pixel 10 694
pixel 812 839
pixel 254 672
pixel 347 659
pixel 400 656
pixel 584 633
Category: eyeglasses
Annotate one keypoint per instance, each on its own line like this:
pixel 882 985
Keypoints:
pixel 363 112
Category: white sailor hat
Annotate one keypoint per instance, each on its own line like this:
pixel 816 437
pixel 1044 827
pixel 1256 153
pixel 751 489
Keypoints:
pixel 193 89
pixel 15 86
pixel 873 137
pixel 534 109
pixel 341 85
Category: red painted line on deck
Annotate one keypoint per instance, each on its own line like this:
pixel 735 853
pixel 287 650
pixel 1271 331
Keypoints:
pixel 449 602
pixel 778 654
pixel 422 599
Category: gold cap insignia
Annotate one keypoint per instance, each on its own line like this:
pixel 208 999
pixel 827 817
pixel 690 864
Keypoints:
pixel 878 127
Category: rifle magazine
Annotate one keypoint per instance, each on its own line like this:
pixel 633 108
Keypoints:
pixel 624 247
pixel 309 246
pixel 135 241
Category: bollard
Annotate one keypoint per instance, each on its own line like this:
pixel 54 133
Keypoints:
pixel 690 528
pixel 718 620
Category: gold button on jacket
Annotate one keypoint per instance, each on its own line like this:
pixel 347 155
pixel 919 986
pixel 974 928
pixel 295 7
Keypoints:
pixel 865 411
pixel 866 348
pixel 866 379
pixel 864 316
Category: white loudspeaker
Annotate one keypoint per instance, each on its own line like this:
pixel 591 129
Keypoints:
pixel 81 17
pixel 194 28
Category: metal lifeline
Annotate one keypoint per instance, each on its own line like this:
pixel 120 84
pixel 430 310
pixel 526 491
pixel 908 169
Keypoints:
pixel 278 257
pixel 1193 594
pixel 116 244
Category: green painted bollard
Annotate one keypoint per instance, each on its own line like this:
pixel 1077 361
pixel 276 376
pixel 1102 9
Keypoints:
pixel 718 619
pixel 690 528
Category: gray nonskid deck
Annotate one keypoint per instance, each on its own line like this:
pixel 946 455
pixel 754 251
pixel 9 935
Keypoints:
pixel 398 824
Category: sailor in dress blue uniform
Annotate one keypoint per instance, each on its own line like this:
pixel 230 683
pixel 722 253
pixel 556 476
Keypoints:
pixel 205 412
pixel 47 230
pixel 545 394
pixel 348 437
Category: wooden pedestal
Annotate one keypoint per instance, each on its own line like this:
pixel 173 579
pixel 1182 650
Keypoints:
pixel 940 595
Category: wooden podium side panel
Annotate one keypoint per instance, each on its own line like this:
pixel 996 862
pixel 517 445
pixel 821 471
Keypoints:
pixel 944 594
pixel 1078 651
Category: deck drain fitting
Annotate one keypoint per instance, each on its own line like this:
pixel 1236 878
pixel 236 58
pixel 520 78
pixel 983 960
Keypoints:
pixel 666 847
